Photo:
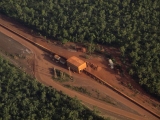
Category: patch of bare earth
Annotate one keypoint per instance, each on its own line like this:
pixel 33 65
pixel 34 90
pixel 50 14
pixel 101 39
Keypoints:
pixel 16 53
pixel 99 66
pixel 43 63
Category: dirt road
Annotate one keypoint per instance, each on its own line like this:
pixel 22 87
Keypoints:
pixel 40 61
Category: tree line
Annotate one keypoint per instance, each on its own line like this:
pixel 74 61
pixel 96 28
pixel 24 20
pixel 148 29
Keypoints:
pixel 23 98
pixel 132 25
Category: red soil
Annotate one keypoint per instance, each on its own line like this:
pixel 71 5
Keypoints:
pixel 105 73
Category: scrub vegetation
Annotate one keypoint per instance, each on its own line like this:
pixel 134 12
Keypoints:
pixel 22 97
pixel 130 25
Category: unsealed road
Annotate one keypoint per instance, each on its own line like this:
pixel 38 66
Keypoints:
pixel 39 58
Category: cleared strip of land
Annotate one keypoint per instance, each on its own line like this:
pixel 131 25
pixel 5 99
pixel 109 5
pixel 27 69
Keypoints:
pixel 48 81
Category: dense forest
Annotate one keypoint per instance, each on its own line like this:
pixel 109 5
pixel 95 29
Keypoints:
pixel 132 25
pixel 23 98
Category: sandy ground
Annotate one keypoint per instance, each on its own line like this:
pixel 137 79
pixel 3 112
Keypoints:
pixel 46 79
pixel 18 54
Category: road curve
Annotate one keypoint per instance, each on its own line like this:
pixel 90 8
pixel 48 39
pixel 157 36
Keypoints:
pixel 48 81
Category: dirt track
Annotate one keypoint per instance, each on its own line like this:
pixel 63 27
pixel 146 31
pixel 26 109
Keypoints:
pixel 48 81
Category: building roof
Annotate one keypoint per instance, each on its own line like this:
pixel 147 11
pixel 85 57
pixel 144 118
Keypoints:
pixel 57 57
pixel 75 61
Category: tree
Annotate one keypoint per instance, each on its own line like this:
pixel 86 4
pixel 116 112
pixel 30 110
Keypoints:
pixel 24 98
pixel 130 25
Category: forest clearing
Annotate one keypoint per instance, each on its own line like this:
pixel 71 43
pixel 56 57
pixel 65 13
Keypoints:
pixel 42 70
pixel 107 53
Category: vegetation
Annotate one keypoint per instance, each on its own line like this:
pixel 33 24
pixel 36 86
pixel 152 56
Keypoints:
pixel 132 25
pixel 85 91
pixel 60 76
pixel 24 98
pixel 78 89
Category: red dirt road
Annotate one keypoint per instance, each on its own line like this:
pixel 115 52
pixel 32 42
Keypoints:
pixel 40 61
pixel 49 82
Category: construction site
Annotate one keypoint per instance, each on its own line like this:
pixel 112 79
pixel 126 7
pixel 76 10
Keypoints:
pixel 95 72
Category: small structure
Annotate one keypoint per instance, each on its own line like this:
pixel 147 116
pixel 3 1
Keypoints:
pixel 63 61
pixel 57 57
pixel 76 64
pixel 111 63
pixel 81 49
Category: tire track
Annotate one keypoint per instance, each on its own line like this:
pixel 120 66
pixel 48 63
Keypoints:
pixel 95 77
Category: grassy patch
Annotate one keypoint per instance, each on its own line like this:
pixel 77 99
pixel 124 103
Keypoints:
pixel 105 99
pixel 78 89
pixel 61 76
